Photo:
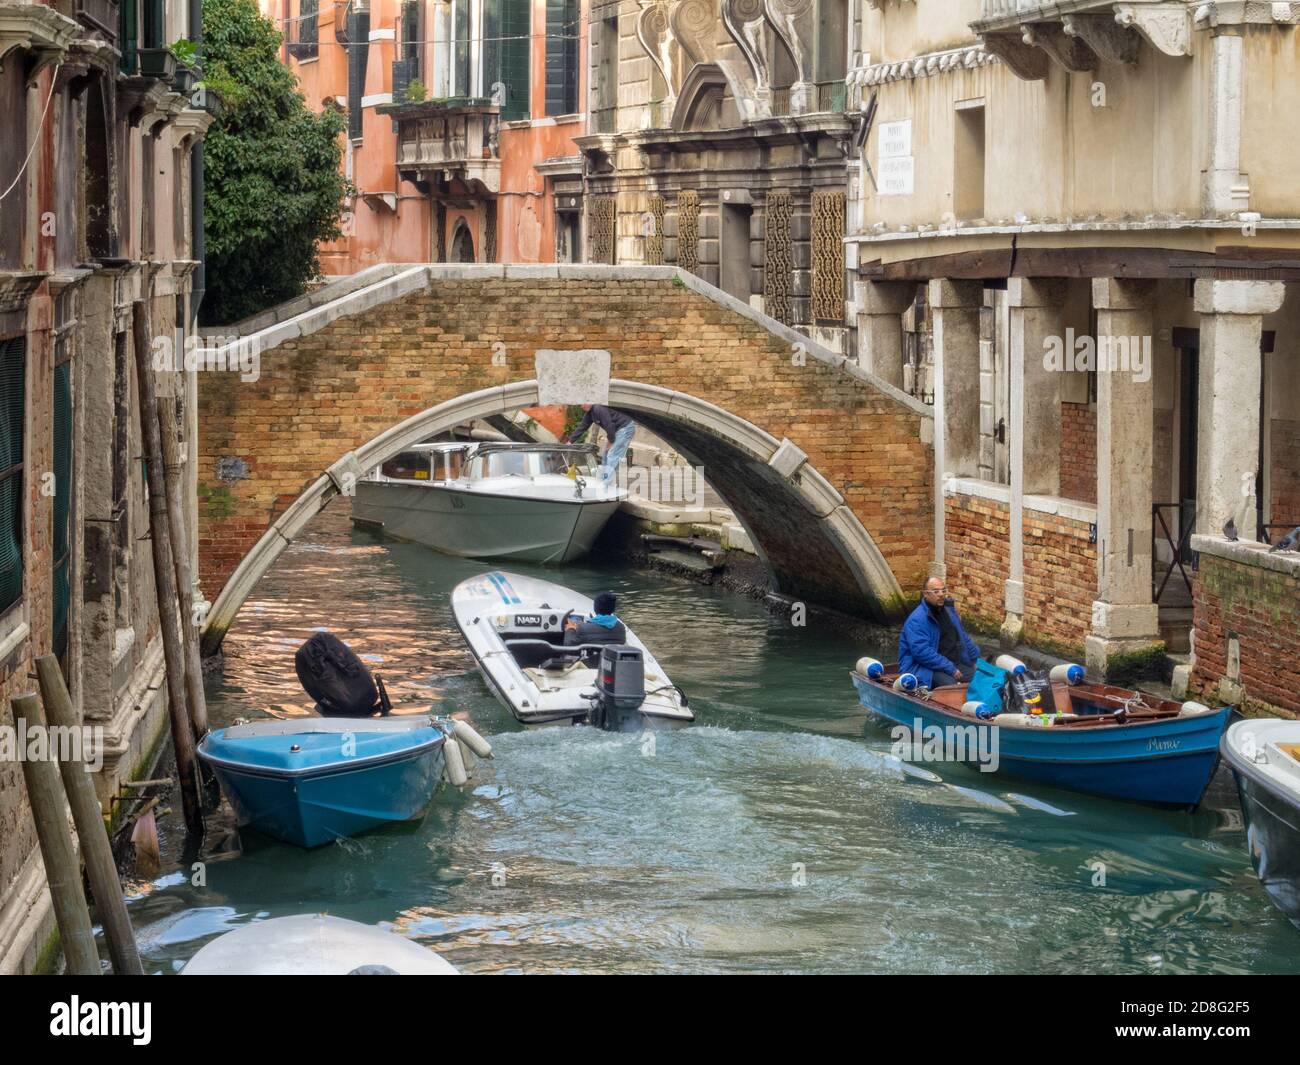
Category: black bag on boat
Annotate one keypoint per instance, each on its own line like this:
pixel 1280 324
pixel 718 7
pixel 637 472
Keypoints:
pixel 1031 693
pixel 336 678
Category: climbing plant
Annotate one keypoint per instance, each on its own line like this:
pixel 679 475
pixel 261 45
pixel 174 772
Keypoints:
pixel 274 188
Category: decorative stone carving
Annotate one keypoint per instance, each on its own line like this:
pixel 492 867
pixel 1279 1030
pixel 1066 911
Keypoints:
pixel 655 35
pixel 654 238
pixel 960 59
pixel 1167 27
pixel 693 23
pixel 795 23
pixel 1105 36
pixel 37 29
pixel 778 261
pixel 828 257
pixel 688 230
pixel 744 20
pixel 1072 53
pixel 601 230
pixel 1026 61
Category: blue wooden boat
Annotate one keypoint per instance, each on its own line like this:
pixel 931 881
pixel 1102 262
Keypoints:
pixel 1102 740
pixel 313 780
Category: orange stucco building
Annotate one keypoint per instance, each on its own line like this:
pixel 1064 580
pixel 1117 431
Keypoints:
pixel 462 117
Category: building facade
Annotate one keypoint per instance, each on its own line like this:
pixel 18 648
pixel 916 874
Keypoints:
pixel 717 142
pixel 461 123
pixel 1074 227
pixel 98 130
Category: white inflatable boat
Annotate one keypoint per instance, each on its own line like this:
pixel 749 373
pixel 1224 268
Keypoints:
pixel 514 626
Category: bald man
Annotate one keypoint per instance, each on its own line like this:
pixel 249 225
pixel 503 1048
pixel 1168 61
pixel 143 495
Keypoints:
pixel 933 646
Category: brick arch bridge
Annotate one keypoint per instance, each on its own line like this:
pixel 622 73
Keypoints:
pixel 828 468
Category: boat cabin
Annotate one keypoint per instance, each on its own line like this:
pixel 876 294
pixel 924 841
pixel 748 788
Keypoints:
pixel 472 461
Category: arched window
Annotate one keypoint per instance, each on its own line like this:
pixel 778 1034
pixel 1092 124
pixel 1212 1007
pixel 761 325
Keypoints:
pixel 462 244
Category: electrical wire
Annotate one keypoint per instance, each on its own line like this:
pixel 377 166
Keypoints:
pixel 54 80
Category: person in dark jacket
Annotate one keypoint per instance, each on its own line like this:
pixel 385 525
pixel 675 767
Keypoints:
pixel 602 627
pixel 933 646
pixel 618 427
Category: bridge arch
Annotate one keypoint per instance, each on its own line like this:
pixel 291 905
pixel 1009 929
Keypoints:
pixel 809 538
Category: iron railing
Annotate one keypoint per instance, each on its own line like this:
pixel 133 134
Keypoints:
pixel 1183 515
pixel 101 15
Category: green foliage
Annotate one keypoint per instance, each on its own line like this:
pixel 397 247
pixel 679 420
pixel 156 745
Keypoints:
pixel 274 190
pixel 186 51
pixel 416 92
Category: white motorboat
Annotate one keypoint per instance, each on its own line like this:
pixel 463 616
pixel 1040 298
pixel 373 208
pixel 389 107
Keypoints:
pixel 529 502
pixel 514 626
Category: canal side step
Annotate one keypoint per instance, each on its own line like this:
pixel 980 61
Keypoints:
pixel 692 552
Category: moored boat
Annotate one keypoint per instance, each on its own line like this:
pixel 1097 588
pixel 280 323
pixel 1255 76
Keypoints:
pixel 312 780
pixel 529 502
pixel 1264 755
pixel 514 626
pixel 1098 739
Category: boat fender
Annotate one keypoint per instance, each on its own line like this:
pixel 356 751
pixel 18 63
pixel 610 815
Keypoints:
pixel 455 763
pixel 1017 720
pixel 906 682
pixel 1194 709
pixel 1011 665
pixel 871 668
pixel 980 710
pixel 1068 673
pixel 467 735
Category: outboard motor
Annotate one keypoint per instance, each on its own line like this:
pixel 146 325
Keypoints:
pixel 332 674
pixel 620 685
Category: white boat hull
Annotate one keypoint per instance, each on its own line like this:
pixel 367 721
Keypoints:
pixel 488 610
pixel 476 524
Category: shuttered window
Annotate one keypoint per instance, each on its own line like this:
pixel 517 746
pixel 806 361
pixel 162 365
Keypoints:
pixel 561 57
pixel 13 362
pixel 507 44
pixel 358 46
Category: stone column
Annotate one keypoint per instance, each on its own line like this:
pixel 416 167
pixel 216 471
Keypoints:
pixel 880 327
pixel 1125 621
pixel 955 310
pixel 1228 414
pixel 1034 312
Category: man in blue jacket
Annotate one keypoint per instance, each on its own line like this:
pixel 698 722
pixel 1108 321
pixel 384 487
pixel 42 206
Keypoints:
pixel 933 646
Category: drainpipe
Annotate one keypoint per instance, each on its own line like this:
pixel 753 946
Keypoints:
pixel 198 251
pixel 197 248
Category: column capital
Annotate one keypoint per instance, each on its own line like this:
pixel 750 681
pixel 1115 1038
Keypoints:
pixel 1123 294
pixel 886 297
pixel 942 292
pixel 1238 297
pixel 1035 291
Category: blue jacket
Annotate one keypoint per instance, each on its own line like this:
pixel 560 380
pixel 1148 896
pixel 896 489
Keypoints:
pixel 918 644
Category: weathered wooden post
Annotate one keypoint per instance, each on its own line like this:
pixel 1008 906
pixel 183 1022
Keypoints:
pixel 96 851
pixel 184 578
pixel 62 870
pixel 164 573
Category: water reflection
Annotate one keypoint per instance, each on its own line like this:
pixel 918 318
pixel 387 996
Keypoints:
pixel 779 834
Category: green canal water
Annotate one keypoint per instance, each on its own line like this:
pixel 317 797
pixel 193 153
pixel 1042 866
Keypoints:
pixel 777 835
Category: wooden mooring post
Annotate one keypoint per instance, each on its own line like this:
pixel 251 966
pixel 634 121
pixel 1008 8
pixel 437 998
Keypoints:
pixel 96 850
pixel 171 452
pixel 62 870
pixel 164 573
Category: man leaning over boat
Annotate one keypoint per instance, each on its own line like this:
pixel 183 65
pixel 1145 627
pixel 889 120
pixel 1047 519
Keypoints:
pixel 933 645
pixel 618 427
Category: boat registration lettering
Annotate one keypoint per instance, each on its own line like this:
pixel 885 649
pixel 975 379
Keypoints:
pixel 523 621
pixel 1162 745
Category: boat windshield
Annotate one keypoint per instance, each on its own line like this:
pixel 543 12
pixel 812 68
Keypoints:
pixel 527 464
pixel 408 466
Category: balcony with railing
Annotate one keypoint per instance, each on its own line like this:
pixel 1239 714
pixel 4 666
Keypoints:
pixel 99 16
pixel 448 140
pixel 1031 35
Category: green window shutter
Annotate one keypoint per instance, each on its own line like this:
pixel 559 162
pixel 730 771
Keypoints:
pixel 507 48
pixel 62 501
pixel 561 57
pixel 13 401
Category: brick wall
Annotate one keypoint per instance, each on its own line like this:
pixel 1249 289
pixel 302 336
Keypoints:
pixel 330 391
pixel 976 557
pixel 1078 452
pixel 1285 470
pixel 1060 571
pixel 1060 582
pixel 1261 606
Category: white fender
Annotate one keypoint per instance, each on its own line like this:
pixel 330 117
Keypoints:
pixel 455 763
pixel 906 682
pixel 1194 709
pixel 467 735
pixel 1011 665
pixel 871 668
pixel 1068 673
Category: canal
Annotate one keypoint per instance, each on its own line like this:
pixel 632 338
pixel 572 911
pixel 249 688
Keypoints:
pixel 778 835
